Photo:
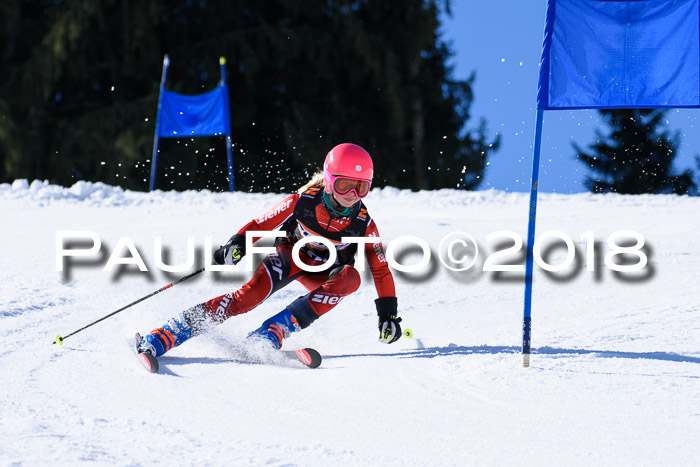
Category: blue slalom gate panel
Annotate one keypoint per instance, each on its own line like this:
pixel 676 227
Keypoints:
pixel 620 54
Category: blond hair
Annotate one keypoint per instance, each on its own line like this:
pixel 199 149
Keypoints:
pixel 316 180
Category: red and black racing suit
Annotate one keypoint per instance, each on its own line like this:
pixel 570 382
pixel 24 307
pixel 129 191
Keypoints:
pixel 303 215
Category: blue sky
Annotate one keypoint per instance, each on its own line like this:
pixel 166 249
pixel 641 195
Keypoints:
pixel 501 41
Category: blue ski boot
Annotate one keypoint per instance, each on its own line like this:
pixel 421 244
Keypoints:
pixel 276 328
pixel 160 340
pixel 297 316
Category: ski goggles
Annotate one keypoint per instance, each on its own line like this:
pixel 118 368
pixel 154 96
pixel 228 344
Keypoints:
pixel 343 186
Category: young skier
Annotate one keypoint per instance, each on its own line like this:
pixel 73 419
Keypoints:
pixel 328 206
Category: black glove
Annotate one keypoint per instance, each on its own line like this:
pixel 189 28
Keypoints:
pixel 389 328
pixel 232 252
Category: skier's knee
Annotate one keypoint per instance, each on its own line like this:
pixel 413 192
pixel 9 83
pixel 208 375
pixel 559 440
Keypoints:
pixel 351 281
pixel 347 278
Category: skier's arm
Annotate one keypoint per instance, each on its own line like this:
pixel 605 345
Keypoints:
pixel 234 249
pixel 387 303
pixel 383 280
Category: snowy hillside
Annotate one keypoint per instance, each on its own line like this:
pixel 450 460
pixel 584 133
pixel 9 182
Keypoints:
pixel 614 376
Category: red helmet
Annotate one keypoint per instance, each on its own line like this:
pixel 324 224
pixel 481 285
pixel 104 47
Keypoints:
pixel 348 161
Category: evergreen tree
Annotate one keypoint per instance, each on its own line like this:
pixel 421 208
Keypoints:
pixel 79 93
pixel 636 156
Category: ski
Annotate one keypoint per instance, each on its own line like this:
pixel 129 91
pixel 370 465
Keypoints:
pixel 309 357
pixel 148 361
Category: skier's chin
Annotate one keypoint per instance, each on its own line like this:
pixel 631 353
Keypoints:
pixel 347 201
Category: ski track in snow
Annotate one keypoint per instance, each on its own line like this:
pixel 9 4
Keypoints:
pixel 615 375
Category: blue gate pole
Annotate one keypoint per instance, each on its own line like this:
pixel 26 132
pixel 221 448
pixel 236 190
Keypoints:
pixel 229 153
pixel 154 157
pixel 231 182
pixel 532 214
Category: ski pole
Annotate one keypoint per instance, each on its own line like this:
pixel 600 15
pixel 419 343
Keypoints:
pixel 59 339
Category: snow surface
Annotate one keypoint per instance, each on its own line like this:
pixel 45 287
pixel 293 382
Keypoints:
pixel 614 379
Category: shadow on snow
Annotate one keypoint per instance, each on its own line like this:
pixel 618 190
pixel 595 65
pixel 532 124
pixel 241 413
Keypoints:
pixel 432 352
